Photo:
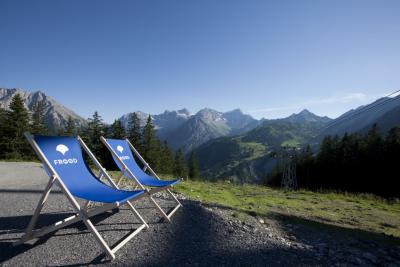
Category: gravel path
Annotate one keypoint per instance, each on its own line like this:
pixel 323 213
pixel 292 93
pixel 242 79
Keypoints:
pixel 199 235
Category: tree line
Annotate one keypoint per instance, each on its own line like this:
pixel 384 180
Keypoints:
pixel 353 163
pixel 17 119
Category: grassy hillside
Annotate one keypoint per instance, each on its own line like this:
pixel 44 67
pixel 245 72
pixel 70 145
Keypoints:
pixel 364 212
pixel 221 155
pixel 245 158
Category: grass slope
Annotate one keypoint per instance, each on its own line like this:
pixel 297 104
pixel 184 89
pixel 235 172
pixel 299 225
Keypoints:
pixel 246 156
pixel 364 212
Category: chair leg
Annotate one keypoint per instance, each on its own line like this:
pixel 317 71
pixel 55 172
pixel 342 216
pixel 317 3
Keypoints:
pixel 65 222
pixel 159 209
pixel 97 235
pixel 174 197
pixel 165 215
pixel 136 213
pixel 85 219
pixel 39 207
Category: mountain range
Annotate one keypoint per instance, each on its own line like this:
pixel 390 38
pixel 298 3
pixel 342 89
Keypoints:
pixel 56 115
pixel 385 112
pixel 233 144
pixel 165 123
pixel 187 131
pixel 248 157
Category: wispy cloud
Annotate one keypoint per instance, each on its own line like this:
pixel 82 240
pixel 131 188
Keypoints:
pixel 348 98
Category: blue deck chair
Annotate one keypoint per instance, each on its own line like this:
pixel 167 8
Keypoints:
pixel 63 161
pixel 121 151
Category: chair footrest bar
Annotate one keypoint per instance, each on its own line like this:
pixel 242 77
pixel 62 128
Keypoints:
pixel 158 189
pixel 125 240
pixel 174 210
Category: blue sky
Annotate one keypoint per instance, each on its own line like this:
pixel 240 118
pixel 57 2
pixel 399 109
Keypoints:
pixel 269 58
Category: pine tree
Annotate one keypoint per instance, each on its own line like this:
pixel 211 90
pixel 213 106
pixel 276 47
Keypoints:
pixel 151 145
pixel 180 169
pixel 194 172
pixel 16 122
pixel 3 128
pixel 134 132
pixel 167 159
pixel 94 131
pixel 38 118
pixel 70 128
pixel 393 137
pixel 392 155
pixel 2 120
pixel 118 130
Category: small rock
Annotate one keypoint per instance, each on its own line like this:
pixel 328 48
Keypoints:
pixel 369 256
pixel 357 261
pixel 261 221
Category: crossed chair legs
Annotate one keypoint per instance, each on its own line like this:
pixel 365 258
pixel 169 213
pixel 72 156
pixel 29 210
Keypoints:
pixel 82 214
pixel 166 216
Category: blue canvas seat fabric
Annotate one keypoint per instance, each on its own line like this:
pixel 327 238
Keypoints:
pixel 65 156
pixel 123 150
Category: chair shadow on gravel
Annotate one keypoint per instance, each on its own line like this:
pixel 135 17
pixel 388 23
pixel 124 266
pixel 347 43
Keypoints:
pixel 17 224
pixel 26 191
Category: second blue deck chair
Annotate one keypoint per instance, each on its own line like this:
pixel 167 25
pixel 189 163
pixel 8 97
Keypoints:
pixel 121 151
pixel 63 161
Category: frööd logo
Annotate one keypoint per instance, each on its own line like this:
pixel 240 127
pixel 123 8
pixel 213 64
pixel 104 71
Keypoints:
pixel 120 149
pixel 62 149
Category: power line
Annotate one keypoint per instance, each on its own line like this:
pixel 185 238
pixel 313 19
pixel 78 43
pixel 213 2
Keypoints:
pixel 387 99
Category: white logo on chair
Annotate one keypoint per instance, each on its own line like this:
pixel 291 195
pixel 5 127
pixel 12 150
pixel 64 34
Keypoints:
pixel 62 149
pixel 120 149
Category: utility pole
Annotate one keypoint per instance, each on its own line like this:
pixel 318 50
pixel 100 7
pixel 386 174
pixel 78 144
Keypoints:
pixel 289 177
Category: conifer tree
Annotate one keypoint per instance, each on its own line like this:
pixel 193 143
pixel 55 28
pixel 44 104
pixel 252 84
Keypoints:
pixel 134 132
pixel 16 122
pixel 194 172
pixel 118 130
pixel 167 159
pixel 393 137
pixel 94 131
pixel 38 118
pixel 151 145
pixel 3 127
pixel 2 120
pixel 354 163
pixel 180 169
pixel 70 128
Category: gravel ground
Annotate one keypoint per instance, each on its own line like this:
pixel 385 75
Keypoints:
pixel 199 235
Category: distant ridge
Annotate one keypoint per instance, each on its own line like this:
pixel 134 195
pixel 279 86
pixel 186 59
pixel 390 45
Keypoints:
pixel 56 114
pixel 187 131
pixel 247 157
pixel 383 112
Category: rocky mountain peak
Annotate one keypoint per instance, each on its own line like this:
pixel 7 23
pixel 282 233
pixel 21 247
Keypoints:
pixel 209 115
pixel 184 111
pixel 235 111
pixel 56 115
pixel 306 116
